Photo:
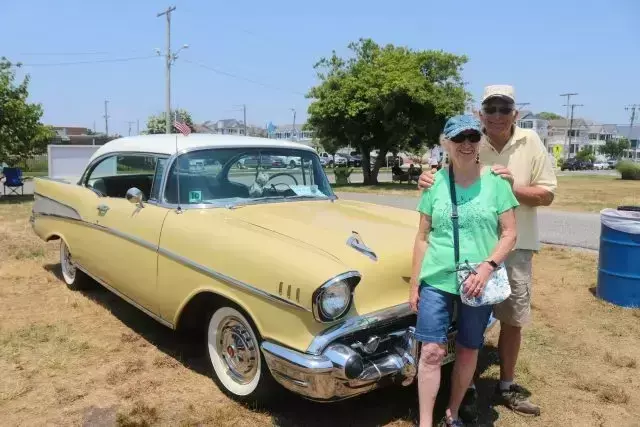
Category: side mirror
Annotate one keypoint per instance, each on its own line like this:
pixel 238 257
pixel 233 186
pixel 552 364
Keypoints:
pixel 135 196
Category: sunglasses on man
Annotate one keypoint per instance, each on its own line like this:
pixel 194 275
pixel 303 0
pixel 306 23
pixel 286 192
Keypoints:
pixel 462 137
pixel 491 109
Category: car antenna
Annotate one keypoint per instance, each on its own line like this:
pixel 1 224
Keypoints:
pixel 175 122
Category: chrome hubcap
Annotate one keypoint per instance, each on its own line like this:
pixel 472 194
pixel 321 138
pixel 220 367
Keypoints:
pixel 237 349
pixel 67 263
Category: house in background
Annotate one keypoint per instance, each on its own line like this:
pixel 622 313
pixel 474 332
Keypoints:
pixel 528 120
pixel 633 135
pixel 75 135
pixel 229 127
pixel 575 139
pixel 293 133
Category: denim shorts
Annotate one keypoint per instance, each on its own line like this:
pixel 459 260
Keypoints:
pixel 435 311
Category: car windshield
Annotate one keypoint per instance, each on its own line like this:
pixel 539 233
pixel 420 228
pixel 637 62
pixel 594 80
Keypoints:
pixel 241 175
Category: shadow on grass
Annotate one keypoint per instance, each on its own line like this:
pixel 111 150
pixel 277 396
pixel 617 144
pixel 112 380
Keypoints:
pixel 384 406
pixel 13 199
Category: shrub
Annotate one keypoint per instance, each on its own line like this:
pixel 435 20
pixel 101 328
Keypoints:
pixel 628 169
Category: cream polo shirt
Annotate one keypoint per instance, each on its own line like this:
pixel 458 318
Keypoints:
pixel 525 156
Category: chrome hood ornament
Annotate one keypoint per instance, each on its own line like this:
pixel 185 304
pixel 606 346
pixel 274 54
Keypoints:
pixel 356 242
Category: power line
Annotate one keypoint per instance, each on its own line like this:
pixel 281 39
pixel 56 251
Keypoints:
pixel 94 61
pixel 235 76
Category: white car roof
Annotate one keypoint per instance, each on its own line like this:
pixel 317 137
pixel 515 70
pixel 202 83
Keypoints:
pixel 166 143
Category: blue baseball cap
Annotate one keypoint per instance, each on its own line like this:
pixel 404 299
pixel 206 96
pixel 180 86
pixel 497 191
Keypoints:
pixel 460 123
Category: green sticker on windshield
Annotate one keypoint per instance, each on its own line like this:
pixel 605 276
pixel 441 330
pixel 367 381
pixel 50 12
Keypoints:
pixel 195 196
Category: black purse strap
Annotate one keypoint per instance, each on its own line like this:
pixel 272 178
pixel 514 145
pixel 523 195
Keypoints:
pixel 454 215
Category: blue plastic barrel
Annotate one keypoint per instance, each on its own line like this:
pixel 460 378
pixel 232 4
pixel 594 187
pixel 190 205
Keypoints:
pixel 619 259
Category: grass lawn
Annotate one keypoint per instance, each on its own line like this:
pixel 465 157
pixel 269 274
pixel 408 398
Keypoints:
pixel 580 193
pixel 89 358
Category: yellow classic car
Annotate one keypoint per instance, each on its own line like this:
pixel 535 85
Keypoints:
pixel 216 234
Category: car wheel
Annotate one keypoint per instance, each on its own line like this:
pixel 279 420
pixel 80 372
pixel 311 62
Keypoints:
pixel 239 368
pixel 75 279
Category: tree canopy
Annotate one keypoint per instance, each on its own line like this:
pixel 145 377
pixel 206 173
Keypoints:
pixel 387 98
pixel 157 123
pixel 545 115
pixel 22 135
pixel 614 149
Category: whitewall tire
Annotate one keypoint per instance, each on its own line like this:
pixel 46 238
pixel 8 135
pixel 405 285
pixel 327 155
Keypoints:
pixel 72 276
pixel 233 348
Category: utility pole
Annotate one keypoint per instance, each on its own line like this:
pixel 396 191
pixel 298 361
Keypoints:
pixel 169 59
pixel 106 119
pixel 294 123
pixel 572 106
pixel 138 127
pixel 568 95
pixel 633 108
pixel 130 123
pixel 244 109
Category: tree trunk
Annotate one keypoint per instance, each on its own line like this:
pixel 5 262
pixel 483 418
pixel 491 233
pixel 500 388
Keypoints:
pixel 366 166
pixel 372 179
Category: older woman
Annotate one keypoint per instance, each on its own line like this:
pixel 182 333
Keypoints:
pixel 487 233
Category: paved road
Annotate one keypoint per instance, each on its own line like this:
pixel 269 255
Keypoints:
pixel 576 229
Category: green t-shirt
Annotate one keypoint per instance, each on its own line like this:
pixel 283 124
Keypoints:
pixel 479 206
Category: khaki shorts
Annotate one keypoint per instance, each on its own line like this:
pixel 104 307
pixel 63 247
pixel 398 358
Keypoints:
pixel 516 310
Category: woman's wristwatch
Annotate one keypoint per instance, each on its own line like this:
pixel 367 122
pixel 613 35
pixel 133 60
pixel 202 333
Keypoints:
pixel 492 263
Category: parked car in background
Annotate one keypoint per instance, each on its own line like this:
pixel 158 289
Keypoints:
pixel 284 282
pixel 576 164
pixel 600 165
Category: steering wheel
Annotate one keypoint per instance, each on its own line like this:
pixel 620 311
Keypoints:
pixel 281 174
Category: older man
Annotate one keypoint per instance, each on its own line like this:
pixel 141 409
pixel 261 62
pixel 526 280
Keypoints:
pixel 519 156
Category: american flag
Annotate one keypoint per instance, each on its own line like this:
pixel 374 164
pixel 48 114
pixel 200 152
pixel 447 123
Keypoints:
pixel 182 127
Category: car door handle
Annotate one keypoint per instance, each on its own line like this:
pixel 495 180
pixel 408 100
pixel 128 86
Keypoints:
pixel 103 209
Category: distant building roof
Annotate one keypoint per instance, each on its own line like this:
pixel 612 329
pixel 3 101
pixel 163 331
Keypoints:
pixel 623 130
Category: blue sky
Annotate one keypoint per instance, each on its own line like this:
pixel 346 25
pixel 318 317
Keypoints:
pixel 543 48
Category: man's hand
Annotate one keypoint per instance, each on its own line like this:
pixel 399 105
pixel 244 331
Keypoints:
pixel 503 172
pixel 426 180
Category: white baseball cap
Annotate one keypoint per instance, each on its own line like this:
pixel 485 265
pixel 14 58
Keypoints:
pixel 500 91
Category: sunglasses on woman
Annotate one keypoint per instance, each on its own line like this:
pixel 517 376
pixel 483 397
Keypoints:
pixel 502 110
pixel 471 137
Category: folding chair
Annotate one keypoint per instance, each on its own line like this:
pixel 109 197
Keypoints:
pixel 13 180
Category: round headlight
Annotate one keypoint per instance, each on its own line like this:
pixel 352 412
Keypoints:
pixel 335 300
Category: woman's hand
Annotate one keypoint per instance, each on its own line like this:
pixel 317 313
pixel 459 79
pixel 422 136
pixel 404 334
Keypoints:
pixel 414 296
pixel 475 283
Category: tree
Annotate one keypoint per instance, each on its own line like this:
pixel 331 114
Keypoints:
pixel 158 123
pixel 614 149
pixel 22 135
pixel 387 98
pixel 586 153
pixel 545 115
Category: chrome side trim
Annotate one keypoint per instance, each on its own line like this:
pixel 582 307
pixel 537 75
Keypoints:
pixel 356 242
pixel 317 294
pixel 124 297
pixel 355 324
pixel 47 206
pixel 227 279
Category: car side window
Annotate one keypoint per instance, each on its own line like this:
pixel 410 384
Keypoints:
pixel 115 175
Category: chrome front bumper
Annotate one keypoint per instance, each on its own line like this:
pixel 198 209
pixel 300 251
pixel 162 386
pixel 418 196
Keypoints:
pixel 339 372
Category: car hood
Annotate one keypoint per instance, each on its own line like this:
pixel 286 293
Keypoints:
pixel 326 226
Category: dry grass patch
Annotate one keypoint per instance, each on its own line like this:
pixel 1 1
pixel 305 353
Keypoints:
pixel 592 193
